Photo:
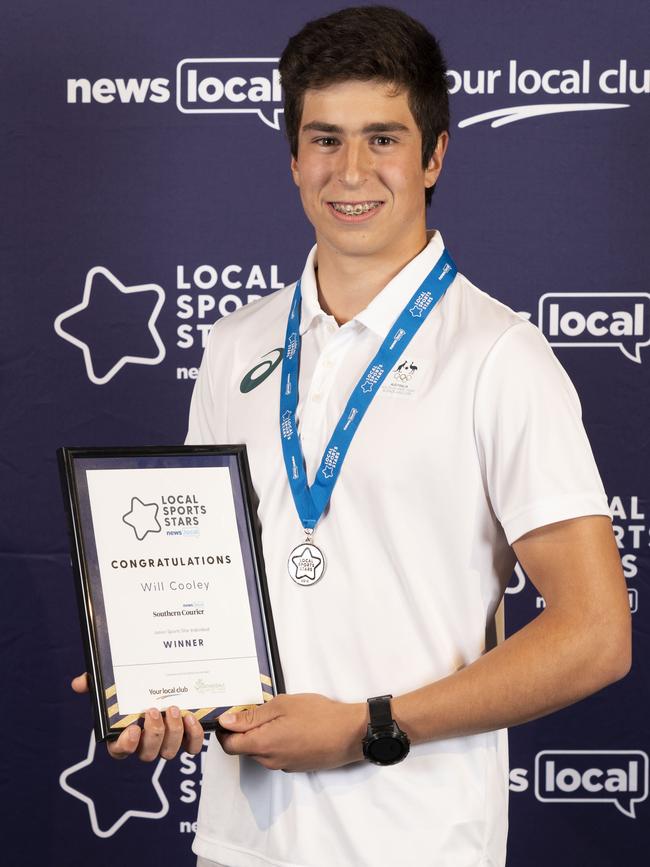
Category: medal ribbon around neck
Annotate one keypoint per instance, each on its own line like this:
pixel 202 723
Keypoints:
pixel 311 501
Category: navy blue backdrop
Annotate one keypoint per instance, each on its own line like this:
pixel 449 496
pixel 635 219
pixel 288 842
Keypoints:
pixel 146 193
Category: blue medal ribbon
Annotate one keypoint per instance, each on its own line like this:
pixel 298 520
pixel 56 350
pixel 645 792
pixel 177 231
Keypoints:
pixel 311 501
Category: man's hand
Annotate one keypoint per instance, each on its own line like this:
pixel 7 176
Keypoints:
pixel 160 737
pixel 304 732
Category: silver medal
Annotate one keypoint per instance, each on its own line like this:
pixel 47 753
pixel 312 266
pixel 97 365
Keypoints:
pixel 306 563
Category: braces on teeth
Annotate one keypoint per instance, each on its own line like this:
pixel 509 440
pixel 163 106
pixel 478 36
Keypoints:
pixel 354 210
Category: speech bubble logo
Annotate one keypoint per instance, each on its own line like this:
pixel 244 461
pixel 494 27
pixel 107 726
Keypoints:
pixel 230 85
pixel 619 319
pixel 618 777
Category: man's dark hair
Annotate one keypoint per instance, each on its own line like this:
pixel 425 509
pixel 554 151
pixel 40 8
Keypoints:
pixel 366 43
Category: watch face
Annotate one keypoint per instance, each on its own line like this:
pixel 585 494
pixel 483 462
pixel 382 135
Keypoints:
pixel 387 750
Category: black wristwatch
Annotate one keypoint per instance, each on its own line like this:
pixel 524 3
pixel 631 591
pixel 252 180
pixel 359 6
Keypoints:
pixel 385 743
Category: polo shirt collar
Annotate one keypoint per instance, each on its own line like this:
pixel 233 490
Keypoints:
pixel 311 309
pixel 385 307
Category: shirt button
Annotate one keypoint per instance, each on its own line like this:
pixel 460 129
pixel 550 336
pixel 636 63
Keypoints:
pixel 317 397
pixel 328 364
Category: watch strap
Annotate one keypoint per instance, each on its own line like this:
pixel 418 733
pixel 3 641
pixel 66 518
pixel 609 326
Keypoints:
pixel 380 711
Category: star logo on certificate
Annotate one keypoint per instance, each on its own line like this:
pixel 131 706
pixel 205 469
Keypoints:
pixel 103 785
pixel 306 563
pixel 113 325
pixel 142 518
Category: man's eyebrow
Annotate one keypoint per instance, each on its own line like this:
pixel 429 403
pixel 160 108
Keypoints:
pixel 321 126
pixel 386 127
pixel 389 126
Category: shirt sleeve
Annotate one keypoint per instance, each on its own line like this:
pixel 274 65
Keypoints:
pixel 536 459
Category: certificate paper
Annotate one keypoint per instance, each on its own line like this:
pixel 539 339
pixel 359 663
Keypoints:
pixel 173 590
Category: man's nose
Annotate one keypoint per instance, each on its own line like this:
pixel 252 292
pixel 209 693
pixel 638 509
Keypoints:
pixel 354 165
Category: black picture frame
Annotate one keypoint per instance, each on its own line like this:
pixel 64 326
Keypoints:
pixel 73 464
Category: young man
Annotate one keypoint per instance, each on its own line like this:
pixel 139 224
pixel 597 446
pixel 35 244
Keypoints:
pixel 434 481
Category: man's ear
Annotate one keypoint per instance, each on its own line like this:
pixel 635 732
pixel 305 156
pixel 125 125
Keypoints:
pixel 295 171
pixel 434 166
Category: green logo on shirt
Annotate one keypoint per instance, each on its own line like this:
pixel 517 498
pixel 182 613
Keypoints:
pixel 261 371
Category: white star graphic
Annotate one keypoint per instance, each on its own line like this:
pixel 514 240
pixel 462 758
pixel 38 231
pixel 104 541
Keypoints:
pixel 92 813
pixel 85 302
pixel 142 518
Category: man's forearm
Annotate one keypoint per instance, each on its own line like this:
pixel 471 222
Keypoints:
pixel 549 664
pixel 546 665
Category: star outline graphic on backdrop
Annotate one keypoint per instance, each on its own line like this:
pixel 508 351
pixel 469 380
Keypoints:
pixel 90 804
pixel 85 302
pixel 142 516
pixel 303 572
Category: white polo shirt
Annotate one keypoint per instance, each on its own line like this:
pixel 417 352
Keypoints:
pixel 474 438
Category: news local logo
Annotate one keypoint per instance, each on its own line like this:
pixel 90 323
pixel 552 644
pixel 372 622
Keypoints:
pixel 619 320
pixel 618 777
pixel 204 85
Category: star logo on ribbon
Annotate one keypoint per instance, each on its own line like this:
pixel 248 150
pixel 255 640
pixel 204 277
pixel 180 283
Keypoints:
pixel 306 562
pixel 416 311
pixel 126 320
pixel 286 425
pixel 142 518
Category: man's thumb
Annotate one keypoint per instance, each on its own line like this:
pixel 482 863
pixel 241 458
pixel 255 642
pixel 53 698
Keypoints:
pixel 246 718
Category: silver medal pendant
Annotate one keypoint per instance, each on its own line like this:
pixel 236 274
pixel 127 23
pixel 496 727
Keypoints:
pixel 306 563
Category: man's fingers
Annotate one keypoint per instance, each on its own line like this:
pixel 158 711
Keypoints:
pixel 250 718
pixel 249 744
pixel 152 736
pixel 193 740
pixel 160 737
pixel 80 683
pixel 173 733
pixel 126 744
pixel 236 744
pixel 253 743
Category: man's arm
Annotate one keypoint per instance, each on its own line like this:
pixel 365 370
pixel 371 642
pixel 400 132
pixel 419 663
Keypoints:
pixel 577 645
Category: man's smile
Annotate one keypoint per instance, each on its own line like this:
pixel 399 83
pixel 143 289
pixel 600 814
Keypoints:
pixel 355 211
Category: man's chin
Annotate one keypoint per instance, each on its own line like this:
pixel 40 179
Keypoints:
pixel 354 243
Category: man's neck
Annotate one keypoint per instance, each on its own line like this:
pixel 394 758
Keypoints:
pixel 347 284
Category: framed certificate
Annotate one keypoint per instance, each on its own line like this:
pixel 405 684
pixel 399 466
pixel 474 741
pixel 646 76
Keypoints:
pixel 170 581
